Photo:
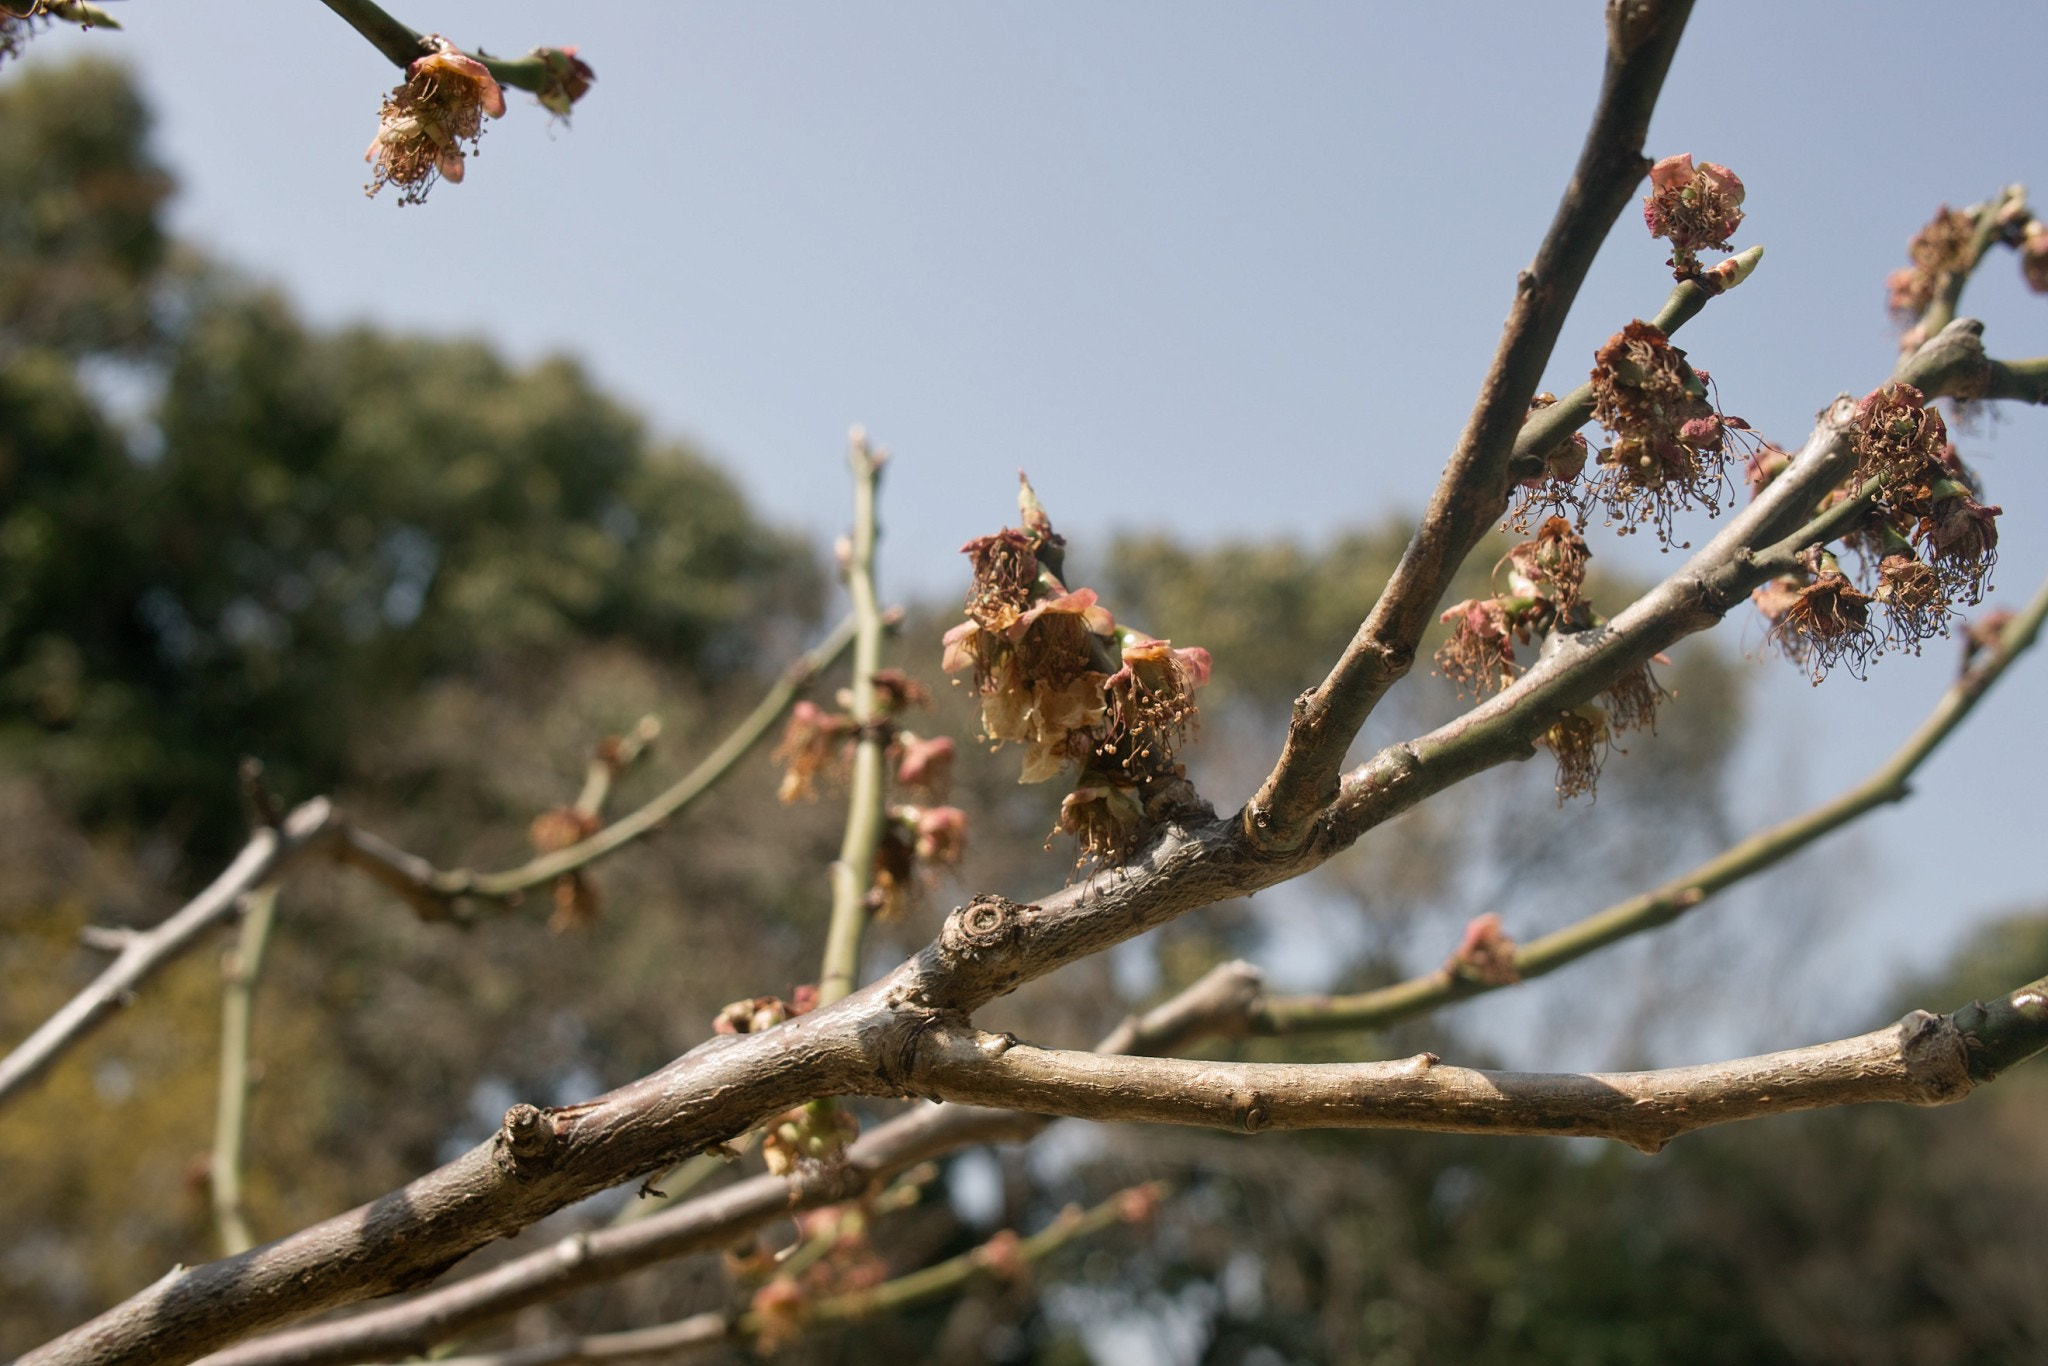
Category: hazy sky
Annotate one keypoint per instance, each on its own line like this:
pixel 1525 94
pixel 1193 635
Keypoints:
pixel 1225 269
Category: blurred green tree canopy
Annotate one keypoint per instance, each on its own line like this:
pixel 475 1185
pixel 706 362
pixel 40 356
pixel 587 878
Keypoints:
pixel 295 527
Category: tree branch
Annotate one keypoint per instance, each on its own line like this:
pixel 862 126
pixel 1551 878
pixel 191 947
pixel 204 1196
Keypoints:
pixel 240 974
pixel 264 859
pixel 1575 668
pixel 403 46
pixel 865 1044
pixel 853 873
pixel 542 1160
pixel 610 763
pixel 1948 290
pixel 1891 782
pixel 903 1292
pixel 1472 493
pixel 400 45
pixel 435 893
pixel 1923 1060
pixel 432 892
pixel 1217 1003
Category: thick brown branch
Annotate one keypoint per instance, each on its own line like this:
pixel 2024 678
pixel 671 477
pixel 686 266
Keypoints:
pixel 1923 1060
pixel 1650 910
pixel 264 859
pixel 1218 1003
pixel 1642 35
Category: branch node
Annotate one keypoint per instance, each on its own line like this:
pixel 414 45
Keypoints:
pixel 108 938
pixel 526 1140
pixel 1937 1057
pixel 984 926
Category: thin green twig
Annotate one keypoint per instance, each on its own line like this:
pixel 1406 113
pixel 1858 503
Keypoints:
pixel 240 971
pixel 435 891
pixel 403 46
pixel 1891 782
pixel 1948 290
pixel 853 872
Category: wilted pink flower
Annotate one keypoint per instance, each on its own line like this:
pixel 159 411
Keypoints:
pixel 1578 739
pixel 941 834
pixel 751 1016
pixel 1959 535
pixel 1914 599
pixel 443 104
pixel 1668 439
pixel 1695 207
pixel 1896 436
pixel 897 691
pixel 1941 247
pixel 813 743
pixel 1479 656
pixel 1152 701
pixel 926 764
pixel 1553 561
pixel 568 79
pixel 1040 678
pixel 1825 623
pixel 1103 817
pixel 2034 255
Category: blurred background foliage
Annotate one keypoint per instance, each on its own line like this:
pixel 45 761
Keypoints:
pixel 409 573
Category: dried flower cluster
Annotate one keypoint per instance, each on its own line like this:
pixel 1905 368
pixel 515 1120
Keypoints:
pixel 1554 489
pixel 1546 582
pixel 833 1255
pixel 759 1013
pixel 1926 545
pixel 916 838
pixel 425 122
pixel 1696 207
pixel 1940 248
pixel 2033 249
pixel 815 744
pixel 568 79
pixel 1669 444
pixel 18 20
pixel 1821 622
pixel 1056 674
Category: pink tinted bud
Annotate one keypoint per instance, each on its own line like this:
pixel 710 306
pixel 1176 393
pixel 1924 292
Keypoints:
pixel 926 763
pixel 941 834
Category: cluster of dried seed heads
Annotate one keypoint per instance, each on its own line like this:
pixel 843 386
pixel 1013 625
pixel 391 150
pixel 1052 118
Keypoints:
pixel 1056 674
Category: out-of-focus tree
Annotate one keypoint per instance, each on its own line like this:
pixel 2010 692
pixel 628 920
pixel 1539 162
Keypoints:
pixel 409 576
pixel 316 523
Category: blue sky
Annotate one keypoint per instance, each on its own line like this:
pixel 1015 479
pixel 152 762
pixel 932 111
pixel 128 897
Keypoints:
pixel 1225 269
